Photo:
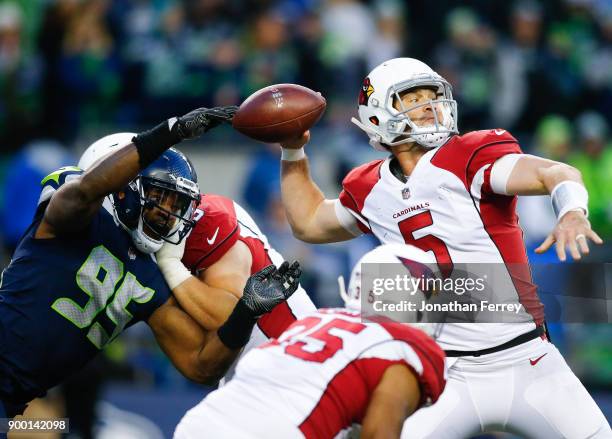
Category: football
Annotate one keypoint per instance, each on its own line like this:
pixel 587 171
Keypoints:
pixel 279 112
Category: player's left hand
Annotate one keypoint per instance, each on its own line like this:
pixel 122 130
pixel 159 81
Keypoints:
pixel 199 121
pixel 572 231
pixel 270 286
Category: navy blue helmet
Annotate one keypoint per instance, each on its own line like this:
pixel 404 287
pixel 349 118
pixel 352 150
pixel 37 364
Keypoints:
pixel 158 205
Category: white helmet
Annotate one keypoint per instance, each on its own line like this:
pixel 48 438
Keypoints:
pixel 385 125
pixel 412 258
pixel 172 172
pixel 102 147
pixel 383 254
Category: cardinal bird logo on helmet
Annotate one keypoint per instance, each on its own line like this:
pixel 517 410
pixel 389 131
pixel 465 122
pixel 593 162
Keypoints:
pixel 366 92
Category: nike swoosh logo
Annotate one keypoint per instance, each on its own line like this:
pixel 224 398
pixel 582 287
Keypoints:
pixel 534 362
pixel 211 241
pixel 500 132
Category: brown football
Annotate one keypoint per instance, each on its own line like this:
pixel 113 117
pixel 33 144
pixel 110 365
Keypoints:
pixel 279 112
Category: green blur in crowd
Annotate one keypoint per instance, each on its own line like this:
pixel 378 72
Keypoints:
pixel 594 160
pixel 591 153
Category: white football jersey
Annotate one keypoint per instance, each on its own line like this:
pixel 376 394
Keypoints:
pixel 447 207
pixel 316 380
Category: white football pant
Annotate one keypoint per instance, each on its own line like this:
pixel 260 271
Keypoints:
pixel 528 389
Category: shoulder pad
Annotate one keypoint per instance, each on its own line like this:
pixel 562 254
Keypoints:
pixel 485 137
pixel 53 181
pixel 368 173
pixel 214 233
pixel 359 182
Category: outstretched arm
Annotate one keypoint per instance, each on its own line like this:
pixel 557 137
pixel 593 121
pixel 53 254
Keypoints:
pixel 211 296
pixel 531 175
pixel 197 354
pixel 76 202
pixel 312 217
pixel 204 356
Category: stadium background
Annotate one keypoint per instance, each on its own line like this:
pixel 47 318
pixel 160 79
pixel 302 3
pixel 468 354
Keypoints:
pixel 74 70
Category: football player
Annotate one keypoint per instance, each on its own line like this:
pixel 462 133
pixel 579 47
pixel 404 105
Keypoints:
pixel 455 196
pixel 224 248
pixel 84 270
pixel 326 372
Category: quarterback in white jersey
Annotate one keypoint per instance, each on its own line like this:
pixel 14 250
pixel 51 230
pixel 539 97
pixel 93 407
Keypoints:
pixel 326 372
pixel 454 196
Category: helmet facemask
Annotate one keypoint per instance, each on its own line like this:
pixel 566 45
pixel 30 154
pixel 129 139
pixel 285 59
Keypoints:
pixel 143 194
pixel 402 129
pixel 175 204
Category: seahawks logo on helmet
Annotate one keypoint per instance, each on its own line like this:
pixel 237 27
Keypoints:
pixel 366 92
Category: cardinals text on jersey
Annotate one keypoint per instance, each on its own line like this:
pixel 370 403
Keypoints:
pixel 447 207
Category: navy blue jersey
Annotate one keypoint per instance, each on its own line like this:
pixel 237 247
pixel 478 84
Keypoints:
pixel 63 299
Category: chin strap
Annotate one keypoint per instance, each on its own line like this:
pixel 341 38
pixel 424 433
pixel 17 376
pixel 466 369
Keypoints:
pixel 365 128
pixel 143 242
pixel 375 138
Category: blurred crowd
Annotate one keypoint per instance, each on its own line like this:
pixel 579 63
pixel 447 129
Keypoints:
pixel 541 69
pixel 73 69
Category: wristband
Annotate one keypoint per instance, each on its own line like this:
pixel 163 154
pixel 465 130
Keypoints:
pixel 569 195
pixel 292 155
pixel 175 273
pixel 236 331
pixel 152 143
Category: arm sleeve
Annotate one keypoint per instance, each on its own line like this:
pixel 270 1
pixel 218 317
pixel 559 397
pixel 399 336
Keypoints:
pixel 426 364
pixel 350 205
pixel 482 162
pixel 356 187
pixel 346 219
pixel 500 173
pixel 421 353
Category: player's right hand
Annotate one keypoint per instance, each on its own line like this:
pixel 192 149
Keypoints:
pixel 199 121
pixel 270 286
pixel 297 143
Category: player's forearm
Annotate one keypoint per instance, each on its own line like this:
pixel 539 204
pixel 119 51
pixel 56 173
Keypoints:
pixel 396 396
pixel 214 360
pixel 111 174
pixel 386 429
pixel 75 202
pixel 534 175
pixel 385 417
pixel 208 306
pixel 301 196
pixel 263 291
pixel 558 173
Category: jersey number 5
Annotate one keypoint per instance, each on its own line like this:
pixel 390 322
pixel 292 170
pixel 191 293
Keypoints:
pixel 427 242
pixel 316 344
pixel 98 278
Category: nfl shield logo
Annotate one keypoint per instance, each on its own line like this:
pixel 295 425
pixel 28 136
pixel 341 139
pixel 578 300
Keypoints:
pixel 406 193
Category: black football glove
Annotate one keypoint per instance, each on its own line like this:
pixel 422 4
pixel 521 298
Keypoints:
pixel 197 122
pixel 270 286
